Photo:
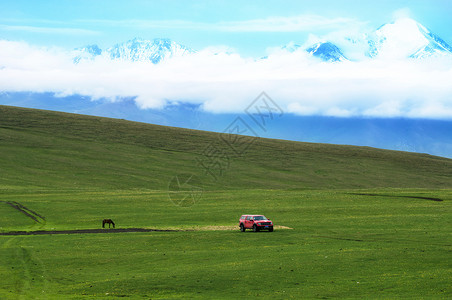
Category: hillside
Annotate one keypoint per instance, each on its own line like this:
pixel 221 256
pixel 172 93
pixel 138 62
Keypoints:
pixel 45 149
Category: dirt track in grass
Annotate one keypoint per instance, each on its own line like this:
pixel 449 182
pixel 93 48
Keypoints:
pixel 26 211
pixel 234 227
pixel 400 196
pixel 121 230
pixel 41 219
pixel 83 231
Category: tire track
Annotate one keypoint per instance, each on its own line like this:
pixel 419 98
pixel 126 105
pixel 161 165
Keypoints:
pixel 85 231
pixel 26 211
pixel 28 278
pixel 399 196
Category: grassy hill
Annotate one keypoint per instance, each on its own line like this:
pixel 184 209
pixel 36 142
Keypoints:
pixel 354 222
pixel 44 149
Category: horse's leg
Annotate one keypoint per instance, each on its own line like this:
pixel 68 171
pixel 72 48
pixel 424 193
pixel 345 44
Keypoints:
pixel 103 224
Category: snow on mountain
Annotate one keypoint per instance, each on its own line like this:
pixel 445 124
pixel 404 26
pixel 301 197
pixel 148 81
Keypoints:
pixel 405 38
pixel 135 50
pixel 144 50
pixel 87 52
pixel 435 47
pixel 327 52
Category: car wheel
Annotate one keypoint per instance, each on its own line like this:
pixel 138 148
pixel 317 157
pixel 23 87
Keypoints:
pixel 270 229
pixel 242 228
pixel 255 229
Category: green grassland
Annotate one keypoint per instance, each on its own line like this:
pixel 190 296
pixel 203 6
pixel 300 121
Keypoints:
pixel 362 222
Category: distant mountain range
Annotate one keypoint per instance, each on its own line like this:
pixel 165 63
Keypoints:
pixel 404 38
pixel 135 50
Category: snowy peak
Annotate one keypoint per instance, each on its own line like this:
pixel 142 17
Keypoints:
pixel 134 50
pixel 145 50
pixel 405 38
pixel 87 52
pixel 327 52
pixel 435 47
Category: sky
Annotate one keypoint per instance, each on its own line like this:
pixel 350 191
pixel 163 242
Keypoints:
pixel 247 26
pixel 231 37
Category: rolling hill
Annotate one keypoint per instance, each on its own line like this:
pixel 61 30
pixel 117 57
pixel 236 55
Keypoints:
pixel 44 149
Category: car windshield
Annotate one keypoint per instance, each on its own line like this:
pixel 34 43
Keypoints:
pixel 258 218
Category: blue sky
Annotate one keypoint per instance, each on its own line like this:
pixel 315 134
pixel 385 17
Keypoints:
pixel 247 26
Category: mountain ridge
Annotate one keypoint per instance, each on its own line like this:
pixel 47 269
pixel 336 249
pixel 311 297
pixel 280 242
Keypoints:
pixel 403 38
pixel 135 50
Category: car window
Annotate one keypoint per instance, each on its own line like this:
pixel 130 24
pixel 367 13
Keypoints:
pixel 248 218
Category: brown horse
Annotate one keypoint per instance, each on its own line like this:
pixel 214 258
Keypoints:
pixel 108 221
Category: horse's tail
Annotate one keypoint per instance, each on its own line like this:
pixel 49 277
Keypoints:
pixel 103 224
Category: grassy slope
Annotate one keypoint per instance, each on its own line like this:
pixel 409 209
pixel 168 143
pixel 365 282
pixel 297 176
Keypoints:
pixel 358 231
pixel 47 149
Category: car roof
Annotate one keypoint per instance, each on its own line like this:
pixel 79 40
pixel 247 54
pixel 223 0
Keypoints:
pixel 253 215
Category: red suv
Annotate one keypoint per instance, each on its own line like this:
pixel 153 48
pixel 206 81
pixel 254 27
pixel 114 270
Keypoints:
pixel 255 222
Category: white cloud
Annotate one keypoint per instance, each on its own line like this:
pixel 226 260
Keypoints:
pixel 402 13
pixel 306 22
pixel 226 82
pixel 49 30
pixel 289 24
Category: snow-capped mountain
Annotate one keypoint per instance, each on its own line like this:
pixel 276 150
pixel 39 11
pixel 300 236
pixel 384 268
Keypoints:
pixel 327 52
pixel 406 38
pixel 87 52
pixel 144 50
pixel 135 50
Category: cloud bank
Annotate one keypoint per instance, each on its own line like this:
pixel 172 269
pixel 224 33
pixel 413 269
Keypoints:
pixel 49 30
pixel 224 82
pixel 303 22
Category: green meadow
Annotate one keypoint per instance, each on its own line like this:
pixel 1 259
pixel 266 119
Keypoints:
pixel 354 222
